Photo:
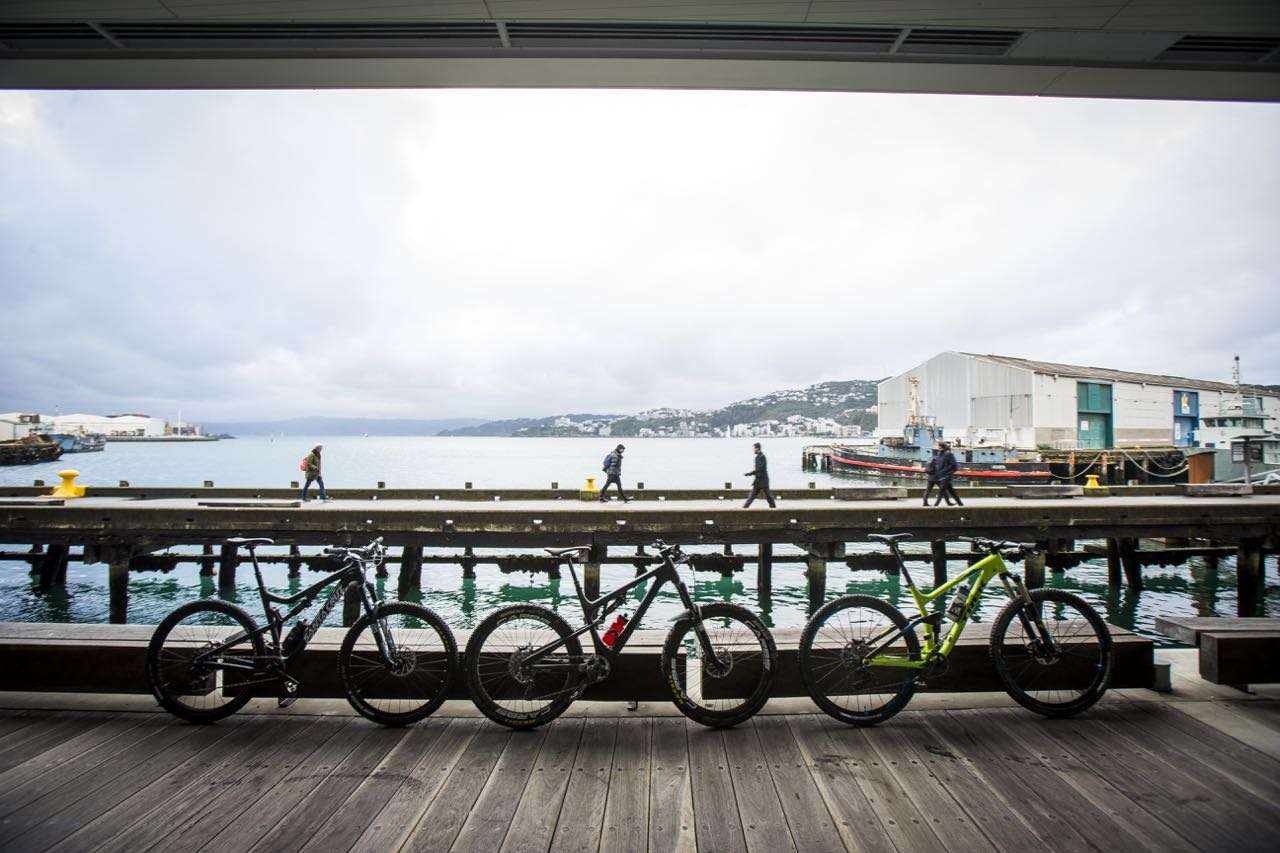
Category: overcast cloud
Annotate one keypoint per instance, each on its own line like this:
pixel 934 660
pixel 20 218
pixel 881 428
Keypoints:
pixel 478 253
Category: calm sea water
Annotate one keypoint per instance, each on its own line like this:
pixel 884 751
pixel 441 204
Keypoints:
pixel 1190 589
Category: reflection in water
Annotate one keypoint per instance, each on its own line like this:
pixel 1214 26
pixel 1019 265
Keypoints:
pixel 1192 589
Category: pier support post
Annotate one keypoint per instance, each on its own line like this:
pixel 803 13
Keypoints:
pixel 410 570
pixel 939 549
pixel 1129 562
pixel 468 563
pixel 1113 563
pixel 1249 578
pixel 118 590
pixel 816 570
pixel 228 559
pixel 350 605
pixel 53 563
pixel 641 562
pixel 591 570
pixel 764 567
pixel 206 563
pixel 1033 570
pixel 295 561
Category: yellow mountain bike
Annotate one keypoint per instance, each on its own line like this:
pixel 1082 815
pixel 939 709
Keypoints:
pixel 862 661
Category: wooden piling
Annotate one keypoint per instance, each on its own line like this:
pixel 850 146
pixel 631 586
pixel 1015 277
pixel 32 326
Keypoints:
pixel 1250 578
pixel 1033 569
pixel 591 570
pixel 351 605
pixel 228 559
pixel 764 567
pixel 118 590
pixel 52 564
pixel 295 561
pixel 1129 562
pixel 410 578
pixel 939 549
pixel 468 562
pixel 1113 563
pixel 206 564
pixel 816 575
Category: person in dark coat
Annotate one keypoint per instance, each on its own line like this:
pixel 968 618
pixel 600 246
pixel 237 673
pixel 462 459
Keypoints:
pixel 931 474
pixel 946 469
pixel 613 474
pixel 311 465
pixel 760 479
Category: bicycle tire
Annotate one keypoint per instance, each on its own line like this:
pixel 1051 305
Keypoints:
pixel 755 676
pixel 428 657
pixel 1021 670
pixel 818 666
pixel 167 650
pixel 485 669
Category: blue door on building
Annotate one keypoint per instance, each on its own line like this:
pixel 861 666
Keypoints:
pixel 1186 416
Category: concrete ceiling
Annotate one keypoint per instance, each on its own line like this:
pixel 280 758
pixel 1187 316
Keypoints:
pixel 1179 49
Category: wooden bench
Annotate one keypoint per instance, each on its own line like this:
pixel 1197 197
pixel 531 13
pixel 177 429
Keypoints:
pixel 1233 650
pixel 110 659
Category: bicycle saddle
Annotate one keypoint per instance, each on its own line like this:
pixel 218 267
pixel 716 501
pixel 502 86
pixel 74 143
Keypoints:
pixel 252 543
pixel 560 552
pixel 889 537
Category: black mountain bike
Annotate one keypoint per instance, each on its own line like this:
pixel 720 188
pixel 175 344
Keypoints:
pixel 525 665
pixel 207 659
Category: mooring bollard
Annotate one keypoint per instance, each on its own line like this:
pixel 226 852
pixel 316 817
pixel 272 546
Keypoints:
pixel 208 484
pixel 68 488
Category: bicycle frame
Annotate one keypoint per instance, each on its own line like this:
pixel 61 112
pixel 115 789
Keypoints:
pixel 980 573
pixel 595 611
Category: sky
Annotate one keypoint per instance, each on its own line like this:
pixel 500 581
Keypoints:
pixel 469 253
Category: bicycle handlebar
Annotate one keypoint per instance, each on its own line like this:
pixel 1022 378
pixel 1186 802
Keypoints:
pixel 373 551
pixel 1002 546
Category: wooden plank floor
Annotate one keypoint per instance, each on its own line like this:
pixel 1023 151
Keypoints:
pixel 1132 775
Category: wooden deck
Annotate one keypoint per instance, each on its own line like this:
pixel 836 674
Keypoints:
pixel 1131 775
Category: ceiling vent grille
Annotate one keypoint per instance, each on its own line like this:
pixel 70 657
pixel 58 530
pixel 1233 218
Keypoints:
pixel 960 42
pixel 249 35
pixel 702 36
pixel 1221 49
pixel 44 36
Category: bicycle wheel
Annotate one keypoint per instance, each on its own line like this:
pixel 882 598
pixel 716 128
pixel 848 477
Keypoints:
pixel 509 690
pixel 208 690
pixel 736 685
pixel 834 664
pixel 1066 680
pixel 423 666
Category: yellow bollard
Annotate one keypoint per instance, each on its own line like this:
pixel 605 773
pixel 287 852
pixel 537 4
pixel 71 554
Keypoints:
pixel 589 492
pixel 1094 489
pixel 68 487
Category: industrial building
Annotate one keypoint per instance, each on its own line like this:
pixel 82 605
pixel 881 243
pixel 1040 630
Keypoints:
pixel 995 399
pixel 108 425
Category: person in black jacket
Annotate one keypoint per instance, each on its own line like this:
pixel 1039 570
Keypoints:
pixel 931 474
pixel 760 479
pixel 613 474
pixel 946 469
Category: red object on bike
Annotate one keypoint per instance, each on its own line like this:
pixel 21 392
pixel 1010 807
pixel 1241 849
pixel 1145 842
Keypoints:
pixel 611 636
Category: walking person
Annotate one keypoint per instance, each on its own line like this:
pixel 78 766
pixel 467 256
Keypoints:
pixel 311 466
pixel 931 474
pixel 613 474
pixel 760 479
pixel 946 469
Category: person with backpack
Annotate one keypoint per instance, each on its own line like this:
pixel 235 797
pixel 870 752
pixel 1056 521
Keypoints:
pixel 931 474
pixel 311 468
pixel 613 474
pixel 947 466
pixel 760 479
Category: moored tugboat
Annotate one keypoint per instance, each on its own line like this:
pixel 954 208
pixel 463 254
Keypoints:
pixel 905 457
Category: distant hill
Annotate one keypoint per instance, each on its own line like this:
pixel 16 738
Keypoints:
pixel 341 426
pixel 527 426
pixel 828 408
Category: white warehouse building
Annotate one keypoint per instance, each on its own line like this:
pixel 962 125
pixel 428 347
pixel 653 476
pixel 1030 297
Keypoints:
pixel 135 425
pixel 995 399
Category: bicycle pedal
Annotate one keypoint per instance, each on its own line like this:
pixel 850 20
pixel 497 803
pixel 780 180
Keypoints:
pixel 291 688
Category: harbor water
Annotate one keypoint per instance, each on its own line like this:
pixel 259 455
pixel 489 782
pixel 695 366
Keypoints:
pixel 1189 589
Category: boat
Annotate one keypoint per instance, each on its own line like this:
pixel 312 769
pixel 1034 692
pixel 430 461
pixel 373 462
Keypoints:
pixel 29 450
pixel 79 442
pixel 904 457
